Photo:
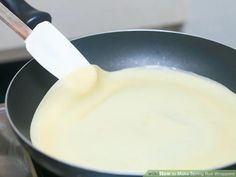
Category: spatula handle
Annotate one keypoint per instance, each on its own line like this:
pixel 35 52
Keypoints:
pixel 14 22
pixel 26 13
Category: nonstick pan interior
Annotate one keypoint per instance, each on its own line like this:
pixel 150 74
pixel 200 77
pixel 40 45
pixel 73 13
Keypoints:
pixel 117 50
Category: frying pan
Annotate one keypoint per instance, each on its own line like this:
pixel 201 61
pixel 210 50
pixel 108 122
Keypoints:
pixel 113 51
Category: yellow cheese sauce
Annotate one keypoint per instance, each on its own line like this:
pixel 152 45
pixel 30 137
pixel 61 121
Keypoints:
pixel 137 119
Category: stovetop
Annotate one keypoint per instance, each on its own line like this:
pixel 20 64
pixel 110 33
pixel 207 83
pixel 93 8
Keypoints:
pixel 14 161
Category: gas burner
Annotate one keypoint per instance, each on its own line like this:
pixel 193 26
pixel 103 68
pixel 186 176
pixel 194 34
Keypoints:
pixel 14 161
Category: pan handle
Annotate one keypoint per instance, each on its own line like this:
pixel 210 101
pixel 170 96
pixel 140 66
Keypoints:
pixel 26 13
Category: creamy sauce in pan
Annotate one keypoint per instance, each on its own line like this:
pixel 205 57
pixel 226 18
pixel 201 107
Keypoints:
pixel 137 119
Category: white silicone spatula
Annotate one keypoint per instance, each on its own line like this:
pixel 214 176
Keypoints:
pixel 46 44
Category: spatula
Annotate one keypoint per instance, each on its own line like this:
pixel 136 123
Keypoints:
pixel 46 44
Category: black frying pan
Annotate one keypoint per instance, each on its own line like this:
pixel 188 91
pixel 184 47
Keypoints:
pixel 114 51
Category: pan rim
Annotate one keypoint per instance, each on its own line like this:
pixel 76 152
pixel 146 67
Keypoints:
pixel 152 30
pixel 28 142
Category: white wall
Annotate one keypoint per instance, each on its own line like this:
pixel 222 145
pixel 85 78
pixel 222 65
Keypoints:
pixel 77 18
pixel 213 19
